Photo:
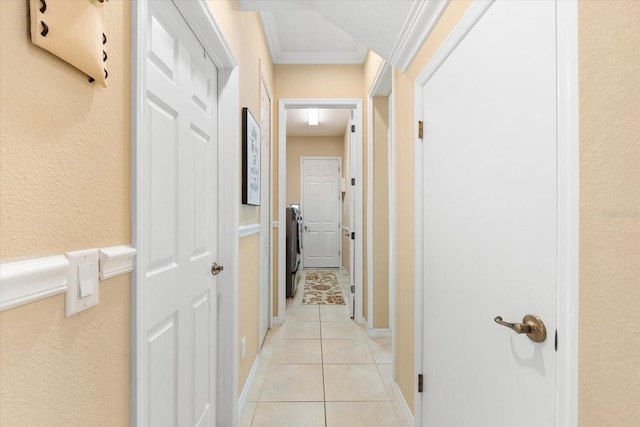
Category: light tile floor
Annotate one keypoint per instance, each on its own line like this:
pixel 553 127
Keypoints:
pixel 321 369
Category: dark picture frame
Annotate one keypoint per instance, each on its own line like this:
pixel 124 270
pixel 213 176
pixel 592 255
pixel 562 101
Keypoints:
pixel 250 159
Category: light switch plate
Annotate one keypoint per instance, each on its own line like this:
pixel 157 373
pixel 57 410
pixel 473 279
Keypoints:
pixel 82 281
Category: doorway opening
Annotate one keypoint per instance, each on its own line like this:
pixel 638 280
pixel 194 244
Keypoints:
pixel 355 186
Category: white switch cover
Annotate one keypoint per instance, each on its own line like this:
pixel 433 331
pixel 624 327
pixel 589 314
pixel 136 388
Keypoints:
pixel 82 281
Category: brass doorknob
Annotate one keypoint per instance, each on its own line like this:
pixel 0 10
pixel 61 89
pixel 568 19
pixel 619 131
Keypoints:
pixel 216 269
pixel 531 325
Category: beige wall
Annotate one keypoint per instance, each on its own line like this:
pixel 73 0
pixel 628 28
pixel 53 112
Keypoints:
pixel 243 31
pixel 249 304
pixel 307 146
pixel 64 186
pixel 380 238
pixel 609 67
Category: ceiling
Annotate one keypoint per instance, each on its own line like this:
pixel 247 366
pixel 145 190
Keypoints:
pixel 331 122
pixel 342 32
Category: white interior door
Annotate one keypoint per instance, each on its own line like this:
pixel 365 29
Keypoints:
pixel 321 212
pixel 179 193
pixel 490 219
pixel 265 211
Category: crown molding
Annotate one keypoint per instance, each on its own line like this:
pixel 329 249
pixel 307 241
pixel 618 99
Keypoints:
pixel 422 19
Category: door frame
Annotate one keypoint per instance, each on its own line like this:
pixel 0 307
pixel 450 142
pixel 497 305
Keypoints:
pixel 265 83
pixel 339 159
pixel 335 103
pixel 568 191
pixel 202 22
pixel 380 86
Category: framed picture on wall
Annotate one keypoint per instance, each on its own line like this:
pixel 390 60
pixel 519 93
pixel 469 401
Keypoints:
pixel 250 159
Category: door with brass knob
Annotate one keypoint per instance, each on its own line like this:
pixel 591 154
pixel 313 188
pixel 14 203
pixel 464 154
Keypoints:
pixel 487 223
pixel 216 269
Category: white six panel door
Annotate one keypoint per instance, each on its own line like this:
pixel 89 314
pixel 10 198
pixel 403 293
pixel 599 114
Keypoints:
pixel 321 212
pixel 180 193
pixel 490 214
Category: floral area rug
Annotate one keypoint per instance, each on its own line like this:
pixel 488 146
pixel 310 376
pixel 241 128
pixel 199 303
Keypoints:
pixel 322 287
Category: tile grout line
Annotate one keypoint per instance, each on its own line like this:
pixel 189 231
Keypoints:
pixel 324 389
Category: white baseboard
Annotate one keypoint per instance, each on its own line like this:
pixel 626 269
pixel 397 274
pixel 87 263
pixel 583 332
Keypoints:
pixel 242 400
pixel 403 404
pixel 276 320
pixel 378 333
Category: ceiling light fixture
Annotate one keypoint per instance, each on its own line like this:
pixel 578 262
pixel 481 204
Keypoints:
pixel 312 116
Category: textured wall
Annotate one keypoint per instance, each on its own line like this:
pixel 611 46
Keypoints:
pixel 65 143
pixel 59 371
pixel 64 186
pixel 609 61
pixel 248 301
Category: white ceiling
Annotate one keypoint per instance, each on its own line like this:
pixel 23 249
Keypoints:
pixel 305 37
pixel 331 122
pixel 341 31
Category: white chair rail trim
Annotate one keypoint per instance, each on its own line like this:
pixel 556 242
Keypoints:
pixel 24 282
pixel 248 230
pixel 115 261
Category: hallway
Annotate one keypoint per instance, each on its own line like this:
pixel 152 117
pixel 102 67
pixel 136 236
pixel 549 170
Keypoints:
pixel 320 368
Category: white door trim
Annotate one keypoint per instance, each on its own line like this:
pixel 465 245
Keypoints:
pixel 369 213
pixel 568 191
pixel 393 290
pixel 568 212
pixel 283 105
pixel 265 83
pixel 199 17
pixel 270 93
pixel 377 85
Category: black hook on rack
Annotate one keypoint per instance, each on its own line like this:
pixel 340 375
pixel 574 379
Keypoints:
pixel 44 6
pixel 45 30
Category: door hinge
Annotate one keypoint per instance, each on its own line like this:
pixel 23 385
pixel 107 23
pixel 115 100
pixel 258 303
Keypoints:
pixel 420 383
pixel 353 128
pixel 353 181
pixel 420 129
pixel 353 289
pixel 556 340
pixel 353 235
